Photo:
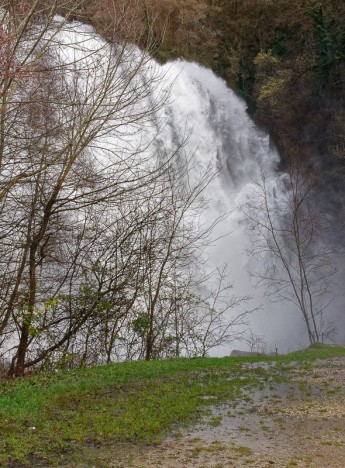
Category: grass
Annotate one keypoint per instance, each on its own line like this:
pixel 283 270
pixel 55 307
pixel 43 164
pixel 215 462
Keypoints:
pixel 46 415
pixel 242 450
pixel 216 421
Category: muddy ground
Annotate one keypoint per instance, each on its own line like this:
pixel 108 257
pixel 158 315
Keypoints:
pixel 298 423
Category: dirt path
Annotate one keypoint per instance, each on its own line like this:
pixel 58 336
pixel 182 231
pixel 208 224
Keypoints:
pixel 296 424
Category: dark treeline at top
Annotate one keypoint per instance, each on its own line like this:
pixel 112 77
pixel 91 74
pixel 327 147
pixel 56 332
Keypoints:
pixel 285 57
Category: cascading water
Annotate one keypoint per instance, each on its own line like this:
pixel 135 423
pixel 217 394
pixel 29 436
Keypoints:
pixel 212 124
pixel 220 132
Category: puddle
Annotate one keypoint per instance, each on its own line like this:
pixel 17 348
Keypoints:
pixel 252 419
pixel 282 417
pixel 297 423
pixel 260 365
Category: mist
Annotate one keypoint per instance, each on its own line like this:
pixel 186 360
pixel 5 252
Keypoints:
pixel 221 133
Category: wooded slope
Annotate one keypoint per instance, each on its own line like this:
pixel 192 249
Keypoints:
pixel 285 57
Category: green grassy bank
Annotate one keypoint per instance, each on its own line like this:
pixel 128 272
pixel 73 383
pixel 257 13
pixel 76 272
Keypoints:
pixel 45 417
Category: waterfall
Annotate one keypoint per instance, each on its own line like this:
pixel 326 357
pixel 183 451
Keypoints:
pixel 219 131
pixel 212 124
pixel 116 116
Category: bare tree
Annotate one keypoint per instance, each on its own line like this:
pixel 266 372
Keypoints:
pixel 295 263
pixel 168 244
pixel 255 342
pixel 97 221
pixel 211 318
pixel 72 138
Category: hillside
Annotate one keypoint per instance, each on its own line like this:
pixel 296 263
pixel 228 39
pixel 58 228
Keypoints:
pixel 284 410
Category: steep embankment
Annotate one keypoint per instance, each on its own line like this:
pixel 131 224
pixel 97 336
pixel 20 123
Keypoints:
pixel 287 58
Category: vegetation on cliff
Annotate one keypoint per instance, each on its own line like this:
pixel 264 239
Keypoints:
pixel 286 58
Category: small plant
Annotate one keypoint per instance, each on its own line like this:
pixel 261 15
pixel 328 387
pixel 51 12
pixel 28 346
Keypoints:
pixel 216 421
pixel 245 451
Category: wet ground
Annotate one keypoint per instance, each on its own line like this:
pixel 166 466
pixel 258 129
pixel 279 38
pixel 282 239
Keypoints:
pixel 295 423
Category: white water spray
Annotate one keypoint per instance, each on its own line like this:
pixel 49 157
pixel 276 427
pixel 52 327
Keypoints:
pixel 212 124
pixel 221 133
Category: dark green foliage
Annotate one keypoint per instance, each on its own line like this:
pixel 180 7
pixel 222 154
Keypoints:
pixel 278 45
pixel 330 42
pixel 141 325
